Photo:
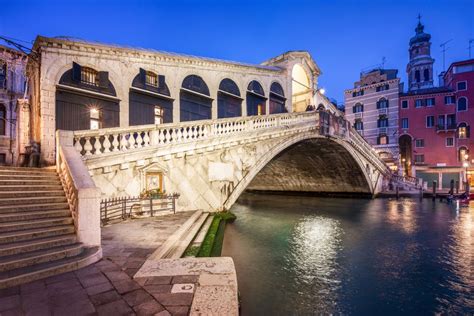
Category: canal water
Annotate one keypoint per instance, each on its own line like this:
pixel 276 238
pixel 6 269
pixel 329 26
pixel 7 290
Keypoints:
pixel 307 255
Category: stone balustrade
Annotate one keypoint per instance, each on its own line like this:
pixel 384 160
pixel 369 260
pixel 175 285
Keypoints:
pixel 109 140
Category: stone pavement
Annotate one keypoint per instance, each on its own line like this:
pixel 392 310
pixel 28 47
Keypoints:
pixel 107 287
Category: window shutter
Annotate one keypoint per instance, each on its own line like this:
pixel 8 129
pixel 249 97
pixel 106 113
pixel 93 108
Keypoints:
pixel 103 79
pixel 142 76
pixel 468 132
pixel 76 72
pixel 161 81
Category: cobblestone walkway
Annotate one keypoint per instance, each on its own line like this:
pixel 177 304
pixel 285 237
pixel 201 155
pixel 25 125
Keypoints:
pixel 107 287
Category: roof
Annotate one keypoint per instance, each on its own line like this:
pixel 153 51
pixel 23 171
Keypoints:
pixel 311 63
pixel 420 36
pixel 391 73
pixel 12 50
pixel 460 63
pixel 428 91
pixel 68 39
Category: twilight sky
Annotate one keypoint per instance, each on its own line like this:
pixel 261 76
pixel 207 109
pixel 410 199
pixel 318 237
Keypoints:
pixel 343 37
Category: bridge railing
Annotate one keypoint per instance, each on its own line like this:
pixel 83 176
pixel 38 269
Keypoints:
pixel 107 140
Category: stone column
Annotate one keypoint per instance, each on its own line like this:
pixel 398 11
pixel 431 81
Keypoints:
pixel 23 127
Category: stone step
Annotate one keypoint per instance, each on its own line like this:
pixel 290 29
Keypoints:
pixel 35 187
pixel 19 170
pixel 36 223
pixel 35 215
pixel 39 256
pixel 4 209
pixel 41 181
pixel 32 200
pixel 180 247
pixel 42 270
pixel 17 194
pixel 36 244
pixel 168 245
pixel 29 234
pixel 25 176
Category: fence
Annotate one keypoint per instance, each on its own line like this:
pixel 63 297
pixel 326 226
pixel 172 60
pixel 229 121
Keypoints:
pixel 121 208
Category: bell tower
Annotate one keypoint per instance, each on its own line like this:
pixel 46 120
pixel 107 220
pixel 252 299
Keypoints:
pixel 420 66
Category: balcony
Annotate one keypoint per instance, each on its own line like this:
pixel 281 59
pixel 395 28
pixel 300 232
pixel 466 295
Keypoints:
pixel 359 115
pixel 383 111
pixel 446 128
pixel 383 130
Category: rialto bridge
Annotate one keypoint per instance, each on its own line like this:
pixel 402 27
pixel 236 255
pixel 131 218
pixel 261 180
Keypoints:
pixel 210 163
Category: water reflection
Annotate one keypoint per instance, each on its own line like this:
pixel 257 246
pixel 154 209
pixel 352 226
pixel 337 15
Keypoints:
pixel 339 256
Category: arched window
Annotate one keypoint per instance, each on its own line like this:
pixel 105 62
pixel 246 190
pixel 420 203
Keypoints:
pixel 382 139
pixel 90 105
pixel 3 74
pixel 357 108
pixel 3 117
pixel 463 131
pixel 229 102
pixel 462 153
pixel 359 125
pixel 462 104
pixel 382 121
pixel 417 76
pixel 150 101
pixel 277 99
pixel 382 103
pixel 195 102
pixel 255 99
pixel 426 75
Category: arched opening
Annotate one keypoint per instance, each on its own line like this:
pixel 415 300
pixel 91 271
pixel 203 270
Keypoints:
pixel 324 167
pixel 426 75
pixel 86 99
pixel 229 102
pixel 277 99
pixel 256 99
pixel 194 100
pixel 149 99
pixel 462 104
pixel 405 144
pixel 3 117
pixel 417 76
pixel 463 131
pixel 301 89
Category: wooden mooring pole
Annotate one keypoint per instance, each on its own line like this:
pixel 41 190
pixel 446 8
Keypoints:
pixel 434 191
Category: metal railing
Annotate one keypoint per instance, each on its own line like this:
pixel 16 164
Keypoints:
pixel 121 208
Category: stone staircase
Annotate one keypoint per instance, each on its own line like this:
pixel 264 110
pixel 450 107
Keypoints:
pixel 37 234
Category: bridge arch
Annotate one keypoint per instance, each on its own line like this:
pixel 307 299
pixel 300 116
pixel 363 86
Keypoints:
pixel 327 154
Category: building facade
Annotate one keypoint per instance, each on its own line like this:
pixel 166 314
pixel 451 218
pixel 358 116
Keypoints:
pixel 372 108
pixel 435 122
pixel 77 85
pixel 12 89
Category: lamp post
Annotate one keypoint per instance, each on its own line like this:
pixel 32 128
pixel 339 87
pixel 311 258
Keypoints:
pixel 465 164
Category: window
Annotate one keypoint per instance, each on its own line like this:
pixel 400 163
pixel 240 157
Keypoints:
pixel 3 116
pixel 382 88
pixel 382 121
pixel 417 76
pixel 449 142
pixel 358 108
pixel 159 114
pixel 430 102
pixel 405 104
pixel 418 103
pixel 358 93
pixel 382 140
pixel 151 79
pixel 382 103
pixel 359 125
pixel 451 121
pixel 463 131
pixel 3 159
pixel 426 75
pixel 430 121
pixel 420 143
pixel 462 85
pixel 404 122
pixel 441 121
pixel 419 159
pixel 3 74
pixel 94 118
pixel 449 99
pixel 463 152
pixel 462 104
pixel 89 76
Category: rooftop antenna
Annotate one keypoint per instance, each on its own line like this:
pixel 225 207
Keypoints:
pixel 419 18
pixel 470 43
pixel 444 49
pixel 383 62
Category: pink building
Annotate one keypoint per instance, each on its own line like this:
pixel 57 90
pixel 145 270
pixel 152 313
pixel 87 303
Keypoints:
pixel 434 128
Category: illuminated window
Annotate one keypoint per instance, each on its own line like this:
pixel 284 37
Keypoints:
pixel 158 114
pixel 462 133
pixel 259 109
pixel 89 76
pixel 95 118
pixel 151 79
pixel 463 152
pixel 383 140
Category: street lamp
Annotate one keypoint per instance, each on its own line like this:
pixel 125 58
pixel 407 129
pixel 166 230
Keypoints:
pixel 465 164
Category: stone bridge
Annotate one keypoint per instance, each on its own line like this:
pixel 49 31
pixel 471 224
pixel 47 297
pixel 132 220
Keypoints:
pixel 210 163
